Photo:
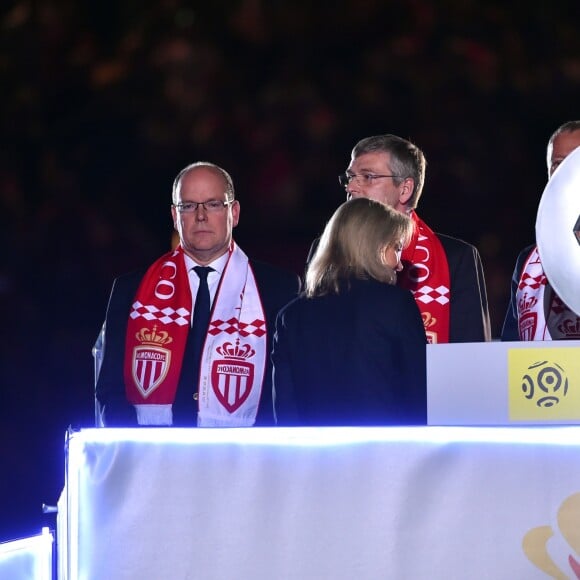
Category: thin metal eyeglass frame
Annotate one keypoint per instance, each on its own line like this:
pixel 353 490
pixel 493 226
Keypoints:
pixel 345 178
pixel 197 204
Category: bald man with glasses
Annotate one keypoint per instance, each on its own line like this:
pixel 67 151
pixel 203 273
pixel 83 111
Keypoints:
pixel 535 311
pixel 186 341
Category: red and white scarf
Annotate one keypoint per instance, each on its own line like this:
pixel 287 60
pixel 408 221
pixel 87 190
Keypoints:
pixel 426 274
pixel 534 297
pixel 234 355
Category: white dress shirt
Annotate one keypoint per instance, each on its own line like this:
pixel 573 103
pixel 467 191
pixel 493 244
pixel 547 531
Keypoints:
pixel 213 278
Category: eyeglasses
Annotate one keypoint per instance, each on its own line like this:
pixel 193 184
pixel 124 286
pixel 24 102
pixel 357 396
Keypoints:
pixel 211 206
pixel 365 178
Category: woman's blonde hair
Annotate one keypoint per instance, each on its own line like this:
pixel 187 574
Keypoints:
pixel 352 245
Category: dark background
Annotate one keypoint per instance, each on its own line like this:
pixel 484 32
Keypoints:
pixel 103 102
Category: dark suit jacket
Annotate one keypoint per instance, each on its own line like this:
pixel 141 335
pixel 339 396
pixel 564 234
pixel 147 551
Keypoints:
pixel 510 329
pixel 354 358
pixel 276 287
pixel 469 310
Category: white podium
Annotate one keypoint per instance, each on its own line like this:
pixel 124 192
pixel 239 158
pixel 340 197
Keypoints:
pixel 340 503
pixel 28 558
pixel 504 383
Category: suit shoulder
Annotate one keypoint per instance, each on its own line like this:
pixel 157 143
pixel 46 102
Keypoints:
pixel 394 294
pixel 454 243
pixel 522 257
pixel 367 294
pixel 526 252
pixel 129 279
pixel 269 271
pixel 459 251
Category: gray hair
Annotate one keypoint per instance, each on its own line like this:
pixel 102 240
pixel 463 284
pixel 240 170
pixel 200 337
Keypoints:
pixel 407 160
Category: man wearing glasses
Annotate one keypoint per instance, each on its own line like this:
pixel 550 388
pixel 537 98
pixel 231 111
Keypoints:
pixel 186 342
pixel 444 274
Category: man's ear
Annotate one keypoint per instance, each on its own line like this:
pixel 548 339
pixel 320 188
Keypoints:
pixel 174 217
pixel 235 213
pixel 406 190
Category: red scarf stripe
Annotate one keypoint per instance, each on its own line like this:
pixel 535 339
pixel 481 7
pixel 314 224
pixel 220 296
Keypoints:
pixel 157 332
pixel 426 274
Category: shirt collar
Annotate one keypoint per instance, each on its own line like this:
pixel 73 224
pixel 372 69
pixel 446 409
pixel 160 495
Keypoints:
pixel 218 264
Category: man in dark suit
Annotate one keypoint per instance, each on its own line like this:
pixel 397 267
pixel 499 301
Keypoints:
pixel 535 311
pixel 186 342
pixel 444 274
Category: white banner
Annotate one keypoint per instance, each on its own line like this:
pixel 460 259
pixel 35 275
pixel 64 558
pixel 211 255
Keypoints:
pixel 340 503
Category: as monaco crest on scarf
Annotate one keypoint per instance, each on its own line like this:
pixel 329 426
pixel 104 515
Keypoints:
pixel 150 360
pixel 528 317
pixel 232 377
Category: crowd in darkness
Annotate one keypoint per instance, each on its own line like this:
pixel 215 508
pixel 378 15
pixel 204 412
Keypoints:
pixel 102 103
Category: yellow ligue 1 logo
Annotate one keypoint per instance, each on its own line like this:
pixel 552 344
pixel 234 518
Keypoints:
pixel 544 384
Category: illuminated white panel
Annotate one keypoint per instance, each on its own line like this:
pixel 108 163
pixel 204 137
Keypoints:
pixel 327 436
pixel 341 503
pixel 27 558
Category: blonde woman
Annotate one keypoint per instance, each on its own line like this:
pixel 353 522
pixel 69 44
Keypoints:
pixel 351 349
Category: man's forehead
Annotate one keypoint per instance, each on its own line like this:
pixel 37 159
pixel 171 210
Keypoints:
pixel 372 157
pixel 203 177
pixel 566 142
pixel 371 160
